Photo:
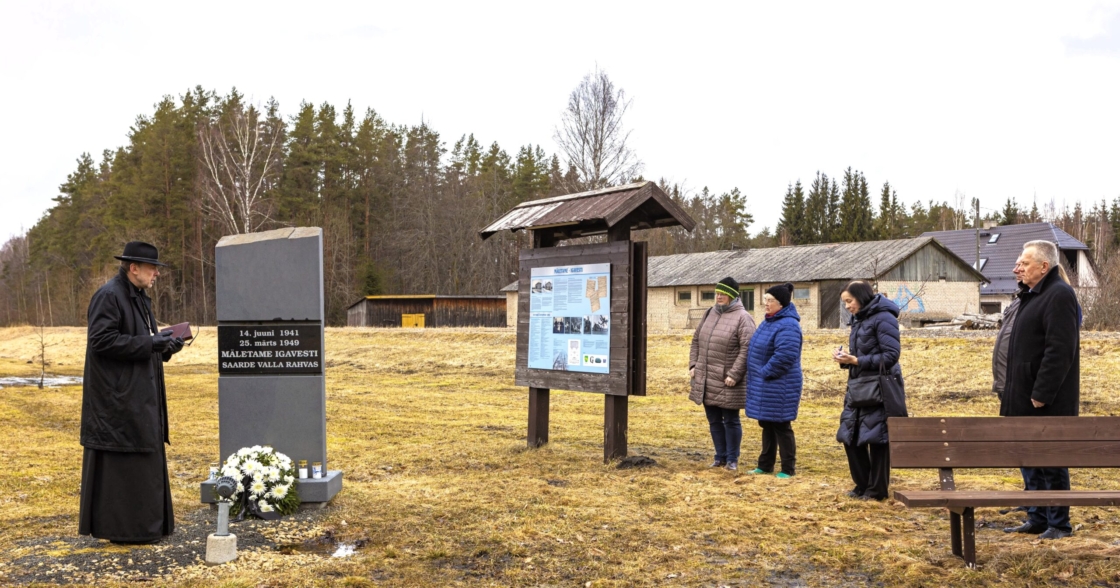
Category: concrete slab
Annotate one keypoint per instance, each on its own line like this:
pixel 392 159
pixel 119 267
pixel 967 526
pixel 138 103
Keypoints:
pixel 311 491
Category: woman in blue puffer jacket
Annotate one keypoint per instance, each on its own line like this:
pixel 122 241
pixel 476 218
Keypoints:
pixel 774 380
pixel 874 344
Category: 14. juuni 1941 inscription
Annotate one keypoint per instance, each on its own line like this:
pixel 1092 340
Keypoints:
pixel 270 349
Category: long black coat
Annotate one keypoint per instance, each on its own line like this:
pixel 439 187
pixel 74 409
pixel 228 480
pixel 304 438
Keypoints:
pixel 124 402
pixel 874 340
pixel 1044 355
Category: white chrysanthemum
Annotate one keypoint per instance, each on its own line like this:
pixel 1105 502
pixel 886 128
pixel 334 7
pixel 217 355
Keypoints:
pixel 280 491
pixel 288 480
pixel 257 487
pixel 240 487
pixel 230 471
pixel 273 474
pixel 243 451
pixel 265 506
pixel 255 449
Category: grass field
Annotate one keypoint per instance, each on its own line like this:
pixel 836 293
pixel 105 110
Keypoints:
pixel 429 430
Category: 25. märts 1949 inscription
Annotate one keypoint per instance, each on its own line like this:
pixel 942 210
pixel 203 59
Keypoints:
pixel 270 349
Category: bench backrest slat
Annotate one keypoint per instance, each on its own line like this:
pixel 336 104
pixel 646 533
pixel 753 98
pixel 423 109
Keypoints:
pixel 997 442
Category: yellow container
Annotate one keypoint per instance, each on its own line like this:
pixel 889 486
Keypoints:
pixel 412 320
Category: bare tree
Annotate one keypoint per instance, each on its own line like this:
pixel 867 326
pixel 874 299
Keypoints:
pixel 591 134
pixel 240 154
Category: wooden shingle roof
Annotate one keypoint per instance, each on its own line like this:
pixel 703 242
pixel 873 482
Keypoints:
pixel 643 203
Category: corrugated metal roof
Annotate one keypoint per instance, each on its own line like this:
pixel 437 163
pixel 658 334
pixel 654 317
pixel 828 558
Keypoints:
pixel 608 205
pixel 424 297
pixel 801 263
pixel 1002 254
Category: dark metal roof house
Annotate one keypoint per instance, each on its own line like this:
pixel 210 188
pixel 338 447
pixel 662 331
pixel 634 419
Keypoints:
pixel 1001 246
pixel 437 310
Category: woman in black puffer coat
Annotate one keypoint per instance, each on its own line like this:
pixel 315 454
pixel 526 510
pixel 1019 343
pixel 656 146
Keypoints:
pixel 874 342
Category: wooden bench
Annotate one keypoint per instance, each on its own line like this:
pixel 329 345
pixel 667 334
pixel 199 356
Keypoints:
pixel 1001 442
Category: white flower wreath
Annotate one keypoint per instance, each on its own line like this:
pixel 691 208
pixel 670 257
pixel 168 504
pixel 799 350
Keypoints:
pixel 270 477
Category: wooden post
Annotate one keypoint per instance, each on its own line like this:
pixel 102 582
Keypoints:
pixel 616 411
pixel 538 417
pixel 539 397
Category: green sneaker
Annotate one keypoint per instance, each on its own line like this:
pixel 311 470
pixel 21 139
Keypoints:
pixel 783 475
pixel 757 471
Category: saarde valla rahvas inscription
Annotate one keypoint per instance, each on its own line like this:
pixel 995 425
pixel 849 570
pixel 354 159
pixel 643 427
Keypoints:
pixel 270 349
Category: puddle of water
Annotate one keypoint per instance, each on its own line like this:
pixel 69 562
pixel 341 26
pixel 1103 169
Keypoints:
pixel 325 544
pixel 48 382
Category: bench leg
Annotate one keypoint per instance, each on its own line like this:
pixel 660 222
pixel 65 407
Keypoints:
pixel 968 521
pixel 955 532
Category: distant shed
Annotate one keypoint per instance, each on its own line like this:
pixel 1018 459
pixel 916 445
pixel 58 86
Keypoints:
pixel 438 311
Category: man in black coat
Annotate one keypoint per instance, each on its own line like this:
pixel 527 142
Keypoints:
pixel 1043 370
pixel 125 494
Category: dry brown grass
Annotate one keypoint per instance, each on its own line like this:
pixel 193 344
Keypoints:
pixel 429 430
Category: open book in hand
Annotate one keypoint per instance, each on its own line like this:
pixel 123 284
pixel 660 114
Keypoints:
pixel 180 331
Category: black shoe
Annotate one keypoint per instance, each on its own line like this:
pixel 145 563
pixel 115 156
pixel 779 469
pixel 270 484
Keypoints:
pixel 1055 533
pixel 148 542
pixel 717 464
pixel 855 493
pixel 1027 527
pixel 733 466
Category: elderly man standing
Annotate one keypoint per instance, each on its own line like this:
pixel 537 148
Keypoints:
pixel 1043 370
pixel 125 494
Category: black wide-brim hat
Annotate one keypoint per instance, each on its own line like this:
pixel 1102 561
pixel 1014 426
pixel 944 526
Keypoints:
pixel 140 252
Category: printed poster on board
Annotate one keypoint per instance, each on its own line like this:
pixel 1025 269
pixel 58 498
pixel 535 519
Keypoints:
pixel 570 318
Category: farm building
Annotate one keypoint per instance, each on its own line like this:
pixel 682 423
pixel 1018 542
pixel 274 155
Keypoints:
pixel 427 310
pixel 1000 246
pixel 920 275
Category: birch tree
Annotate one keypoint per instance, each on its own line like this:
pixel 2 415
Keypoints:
pixel 591 134
pixel 241 157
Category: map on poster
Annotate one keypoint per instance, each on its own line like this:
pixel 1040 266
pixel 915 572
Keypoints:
pixel 570 318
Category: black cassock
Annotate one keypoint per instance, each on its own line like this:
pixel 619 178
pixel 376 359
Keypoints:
pixel 125 493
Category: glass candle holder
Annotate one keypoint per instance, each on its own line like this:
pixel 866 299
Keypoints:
pixel 317 470
pixel 303 469
pixel 213 471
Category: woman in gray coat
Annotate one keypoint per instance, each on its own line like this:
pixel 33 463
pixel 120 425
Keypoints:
pixel 717 364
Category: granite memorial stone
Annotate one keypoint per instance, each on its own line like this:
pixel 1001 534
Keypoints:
pixel 271 384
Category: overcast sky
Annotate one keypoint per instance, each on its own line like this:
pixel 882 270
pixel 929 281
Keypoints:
pixel 993 100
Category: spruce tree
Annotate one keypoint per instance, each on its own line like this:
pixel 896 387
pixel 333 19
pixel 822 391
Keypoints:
pixel 789 231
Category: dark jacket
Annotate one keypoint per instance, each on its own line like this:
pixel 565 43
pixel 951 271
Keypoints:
pixel 1044 357
pixel 874 340
pixel 719 351
pixel 999 352
pixel 124 403
pixel 774 368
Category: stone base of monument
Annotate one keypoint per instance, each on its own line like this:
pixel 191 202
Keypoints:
pixel 312 491
pixel 221 549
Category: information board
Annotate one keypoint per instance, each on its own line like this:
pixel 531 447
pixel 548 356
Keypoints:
pixel 270 349
pixel 570 319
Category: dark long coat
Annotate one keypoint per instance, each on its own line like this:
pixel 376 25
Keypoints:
pixel 1044 356
pixel 124 402
pixel 125 493
pixel 874 340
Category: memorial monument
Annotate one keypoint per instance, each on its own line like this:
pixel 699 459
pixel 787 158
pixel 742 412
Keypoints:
pixel 271 383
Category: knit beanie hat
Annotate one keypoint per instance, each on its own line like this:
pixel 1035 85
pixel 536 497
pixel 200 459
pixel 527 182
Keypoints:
pixel 728 286
pixel 782 293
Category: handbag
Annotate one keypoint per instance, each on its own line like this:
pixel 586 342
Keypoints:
pixel 864 392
